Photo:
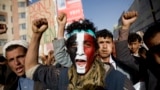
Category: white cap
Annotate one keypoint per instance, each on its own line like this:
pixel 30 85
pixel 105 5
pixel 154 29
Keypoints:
pixel 22 43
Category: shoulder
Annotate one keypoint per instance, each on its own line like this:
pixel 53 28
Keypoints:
pixel 115 74
pixel 115 80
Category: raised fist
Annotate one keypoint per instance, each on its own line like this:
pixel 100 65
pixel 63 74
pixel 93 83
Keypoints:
pixel 3 28
pixel 129 15
pixel 128 18
pixel 62 19
pixel 39 25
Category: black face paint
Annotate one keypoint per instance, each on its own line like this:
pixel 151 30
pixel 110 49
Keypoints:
pixel 71 47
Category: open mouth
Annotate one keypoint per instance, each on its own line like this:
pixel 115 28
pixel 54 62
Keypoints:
pixel 19 69
pixel 81 63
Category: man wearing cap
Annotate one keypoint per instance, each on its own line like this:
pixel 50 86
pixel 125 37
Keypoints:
pixel 13 74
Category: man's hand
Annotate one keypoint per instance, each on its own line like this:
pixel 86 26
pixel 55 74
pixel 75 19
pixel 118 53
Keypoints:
pixel 48 59
pixel 128 18
pixel 61 20
pixel 3 28
pixel 39 25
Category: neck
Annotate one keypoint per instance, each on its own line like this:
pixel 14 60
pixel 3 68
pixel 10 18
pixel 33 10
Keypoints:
pixel 106 59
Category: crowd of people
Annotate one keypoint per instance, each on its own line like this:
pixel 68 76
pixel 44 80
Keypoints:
pixel 85 59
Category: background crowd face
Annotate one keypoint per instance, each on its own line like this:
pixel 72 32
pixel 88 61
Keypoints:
pixel 105 46
pixel 82 49
pixel 15 59
pixel 134 46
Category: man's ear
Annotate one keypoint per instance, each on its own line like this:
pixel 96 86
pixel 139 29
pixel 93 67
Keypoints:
pixel 141 44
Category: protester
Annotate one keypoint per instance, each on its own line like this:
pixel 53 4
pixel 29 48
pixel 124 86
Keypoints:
pixel 13 72
pixel 134 44
pixel 60 52
pixel 85 71
pixel 105 48
pixel 124 54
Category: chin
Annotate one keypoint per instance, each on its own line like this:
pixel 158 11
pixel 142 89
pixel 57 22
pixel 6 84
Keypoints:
pixel 20 74
pixel 81 70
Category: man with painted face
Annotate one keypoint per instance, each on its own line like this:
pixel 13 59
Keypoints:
pixel 85 73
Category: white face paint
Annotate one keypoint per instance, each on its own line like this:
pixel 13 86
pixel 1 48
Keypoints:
pixel 81 58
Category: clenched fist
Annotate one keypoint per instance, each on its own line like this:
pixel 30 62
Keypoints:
pixel 3 28
pixel 128 18
pixel 62 19
pixel 39 25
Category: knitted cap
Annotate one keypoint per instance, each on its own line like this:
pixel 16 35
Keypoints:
pixel 14 42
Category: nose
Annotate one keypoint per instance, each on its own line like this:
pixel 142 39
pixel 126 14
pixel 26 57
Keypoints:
pixel 104 45
pixel 80 49
pixel 16 61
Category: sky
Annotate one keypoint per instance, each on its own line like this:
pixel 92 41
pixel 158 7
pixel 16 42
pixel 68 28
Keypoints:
pixel 105 13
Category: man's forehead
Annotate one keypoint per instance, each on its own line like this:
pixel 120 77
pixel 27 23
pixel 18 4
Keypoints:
pixel 104 39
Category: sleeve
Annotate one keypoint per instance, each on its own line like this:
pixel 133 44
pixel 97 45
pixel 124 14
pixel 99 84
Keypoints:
pixel 123 35
pixel 124 56
pixel 60 53
pixel 31 71
pixel 128 85
pixel 2 73
pixel 48 76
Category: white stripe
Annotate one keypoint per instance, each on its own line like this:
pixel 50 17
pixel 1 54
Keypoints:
pixel 80 52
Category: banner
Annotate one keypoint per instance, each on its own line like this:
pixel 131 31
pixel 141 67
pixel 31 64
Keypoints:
pixel 43 9
pixel 73 9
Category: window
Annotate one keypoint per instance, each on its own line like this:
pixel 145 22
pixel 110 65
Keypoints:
pixel 3 42
pixel 21 4
pixel 2 18
pixel 22 15
pixel 12 31
pixel 22 26
pixel 11 19
pixel 23 37
pixel 3 7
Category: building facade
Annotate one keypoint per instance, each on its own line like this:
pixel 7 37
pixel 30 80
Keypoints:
pixel 148 14
pixel 13 14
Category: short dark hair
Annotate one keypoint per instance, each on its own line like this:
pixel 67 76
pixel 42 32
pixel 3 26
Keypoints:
pixel 81 25
pixel 134 37
pixel 104 33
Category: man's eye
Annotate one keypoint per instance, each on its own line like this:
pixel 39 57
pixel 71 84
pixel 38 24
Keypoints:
pixel 9 60
pixel 87 44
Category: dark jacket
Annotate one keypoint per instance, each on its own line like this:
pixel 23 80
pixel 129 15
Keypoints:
pixel 12 82
pixel 124 57
pixel 57 78
pixel 153 82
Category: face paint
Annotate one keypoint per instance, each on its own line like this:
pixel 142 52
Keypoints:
pixel 85 49
pixel 81 58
